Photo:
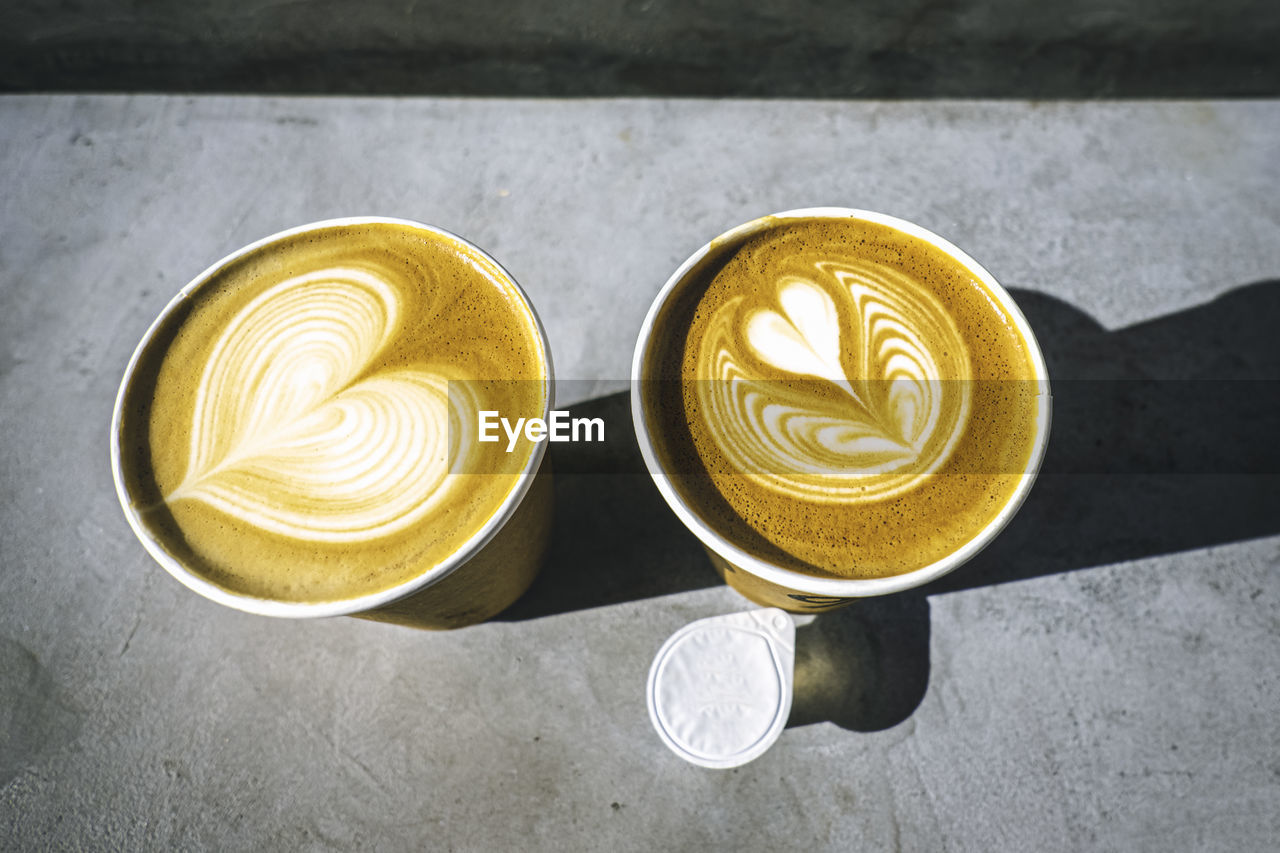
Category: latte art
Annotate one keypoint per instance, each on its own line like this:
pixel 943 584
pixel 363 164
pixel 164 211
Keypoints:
pixel 284 437
pixel 875 415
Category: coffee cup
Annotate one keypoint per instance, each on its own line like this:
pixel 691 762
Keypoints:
pixel 294 436
pixel 838 403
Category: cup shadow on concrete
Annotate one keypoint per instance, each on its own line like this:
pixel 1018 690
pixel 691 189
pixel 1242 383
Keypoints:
pixel 1162 441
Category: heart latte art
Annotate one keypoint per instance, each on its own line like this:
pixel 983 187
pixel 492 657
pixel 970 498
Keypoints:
pixel 302 427
pixel 874 415
pixel 838 397
pixel 284 437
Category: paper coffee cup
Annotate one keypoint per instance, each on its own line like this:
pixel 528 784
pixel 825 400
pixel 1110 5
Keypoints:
pixel 483 576
pixel 769 583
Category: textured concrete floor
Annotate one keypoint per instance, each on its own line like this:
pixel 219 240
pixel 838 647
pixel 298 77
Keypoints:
pixel 1104 677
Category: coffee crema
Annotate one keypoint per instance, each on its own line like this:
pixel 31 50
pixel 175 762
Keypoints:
pixel 302 426
pixel 840 398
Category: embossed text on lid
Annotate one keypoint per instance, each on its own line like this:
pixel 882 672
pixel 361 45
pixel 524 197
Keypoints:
pixel 720 689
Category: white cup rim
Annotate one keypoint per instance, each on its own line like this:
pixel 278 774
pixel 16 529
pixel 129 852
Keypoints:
pixel 811 584
pixel 343 607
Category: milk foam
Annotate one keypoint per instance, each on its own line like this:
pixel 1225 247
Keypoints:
pixel 293 433
pixel 834 387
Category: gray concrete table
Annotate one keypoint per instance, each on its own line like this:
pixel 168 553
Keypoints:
pixel 1104 677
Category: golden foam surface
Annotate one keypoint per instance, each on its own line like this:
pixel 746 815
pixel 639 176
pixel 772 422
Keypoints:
pixel 852 403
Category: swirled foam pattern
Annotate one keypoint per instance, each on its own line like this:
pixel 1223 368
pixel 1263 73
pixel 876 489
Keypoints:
pixel 874 416
pixel 312 424
pixel 852 401
pixel 285 438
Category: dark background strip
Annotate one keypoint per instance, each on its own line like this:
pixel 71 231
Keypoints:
pixel 773 48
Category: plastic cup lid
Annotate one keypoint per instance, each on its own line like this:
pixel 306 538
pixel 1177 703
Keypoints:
pixel 720 689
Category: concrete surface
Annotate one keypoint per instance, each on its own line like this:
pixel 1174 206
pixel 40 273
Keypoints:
pixel 767 48
pixel 1103 678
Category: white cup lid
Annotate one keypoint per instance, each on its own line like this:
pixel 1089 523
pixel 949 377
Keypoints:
pixel 720 689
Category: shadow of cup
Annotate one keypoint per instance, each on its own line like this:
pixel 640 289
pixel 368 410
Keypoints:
pixel 864 667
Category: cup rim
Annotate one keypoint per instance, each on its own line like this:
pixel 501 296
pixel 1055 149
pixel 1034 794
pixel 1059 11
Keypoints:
pixel 348 606
pixel 812 584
